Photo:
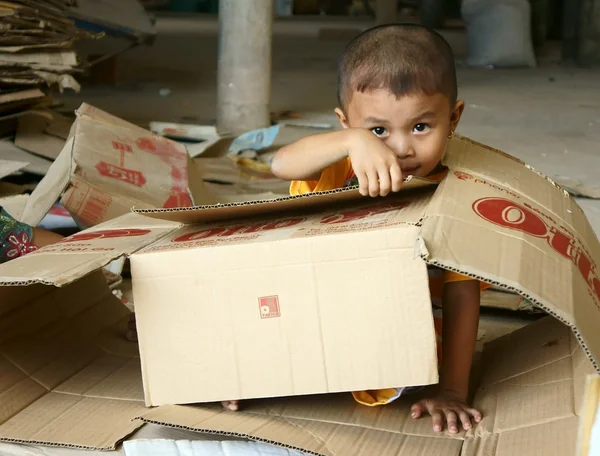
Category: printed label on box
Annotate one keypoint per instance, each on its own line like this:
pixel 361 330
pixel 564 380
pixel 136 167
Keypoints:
pixel 269 307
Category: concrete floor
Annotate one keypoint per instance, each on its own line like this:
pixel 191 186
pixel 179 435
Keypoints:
pixel 549 116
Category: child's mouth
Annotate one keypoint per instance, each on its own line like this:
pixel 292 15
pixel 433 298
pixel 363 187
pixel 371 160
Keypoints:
pixel 409 172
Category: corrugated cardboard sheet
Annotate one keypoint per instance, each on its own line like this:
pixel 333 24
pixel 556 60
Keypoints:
pixel 210 327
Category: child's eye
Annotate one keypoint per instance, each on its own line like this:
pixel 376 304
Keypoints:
pixel 420 128
pixel 379 131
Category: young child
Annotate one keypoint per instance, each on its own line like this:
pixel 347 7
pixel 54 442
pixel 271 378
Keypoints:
pixel 397 91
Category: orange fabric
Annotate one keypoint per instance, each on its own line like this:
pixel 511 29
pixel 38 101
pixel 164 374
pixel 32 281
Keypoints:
pixel 331 178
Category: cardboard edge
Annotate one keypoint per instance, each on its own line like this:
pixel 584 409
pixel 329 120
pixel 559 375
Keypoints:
pixel 65 445
pixel 308 196
pixel 242 209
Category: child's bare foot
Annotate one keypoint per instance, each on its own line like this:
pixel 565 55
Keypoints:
pixel 234 406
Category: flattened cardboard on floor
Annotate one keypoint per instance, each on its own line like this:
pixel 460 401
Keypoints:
pixel 531 382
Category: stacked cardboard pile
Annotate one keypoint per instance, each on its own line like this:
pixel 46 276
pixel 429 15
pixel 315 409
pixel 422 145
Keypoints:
pixel 36 50
pixel 36 59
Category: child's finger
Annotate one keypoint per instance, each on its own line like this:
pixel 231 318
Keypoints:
pixel 465 419
pixel 476 414
pixel 438 421
pixel 417 410
pixel 363 183
pixel 452 421
pixel 373 183
pixel 396 177
pixel 385 184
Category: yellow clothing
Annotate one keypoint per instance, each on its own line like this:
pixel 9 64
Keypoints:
pixel 337 176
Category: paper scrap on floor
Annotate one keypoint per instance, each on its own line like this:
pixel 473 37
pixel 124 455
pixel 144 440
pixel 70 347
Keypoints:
pixel 194 448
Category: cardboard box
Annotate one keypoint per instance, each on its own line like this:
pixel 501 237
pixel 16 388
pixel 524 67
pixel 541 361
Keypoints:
pixel 293 297
pixel 108 166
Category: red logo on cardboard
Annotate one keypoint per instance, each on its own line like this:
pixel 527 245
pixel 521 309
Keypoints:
pixel 463 176
pixel 508 214
pixel 269 307
pixel 129 176
pixel 105 234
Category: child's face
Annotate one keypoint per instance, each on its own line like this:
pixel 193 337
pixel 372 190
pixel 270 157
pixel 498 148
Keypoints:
pixel 415 127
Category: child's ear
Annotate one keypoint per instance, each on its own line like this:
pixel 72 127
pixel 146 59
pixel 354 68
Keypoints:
pixel 342 118
pixel 459 107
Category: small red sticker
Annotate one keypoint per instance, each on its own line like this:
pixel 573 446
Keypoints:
pixel 269 307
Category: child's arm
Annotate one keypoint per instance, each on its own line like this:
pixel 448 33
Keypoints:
pixel 374 164
pixel 307 157
pixel 459 333
pixel 460 321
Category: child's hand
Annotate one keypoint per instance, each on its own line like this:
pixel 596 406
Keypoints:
pixel 449 409
pixel 374 164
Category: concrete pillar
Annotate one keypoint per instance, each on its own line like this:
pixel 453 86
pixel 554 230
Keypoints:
pixel 244 70
pixel 386 11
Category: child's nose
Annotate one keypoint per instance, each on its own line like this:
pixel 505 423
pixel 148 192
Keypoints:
pixel 402 148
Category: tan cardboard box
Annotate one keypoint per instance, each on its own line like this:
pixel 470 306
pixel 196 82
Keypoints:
pixel 108 166
pixel 307 295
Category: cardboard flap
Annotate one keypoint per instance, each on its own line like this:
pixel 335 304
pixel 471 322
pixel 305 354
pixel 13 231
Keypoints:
pixel 516 230
pixel 245 209
pixel 491 167
pixel 85 252
pixel 50 188
pixel 60 385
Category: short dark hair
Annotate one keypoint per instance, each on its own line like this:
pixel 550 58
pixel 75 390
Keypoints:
pixel 403 58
